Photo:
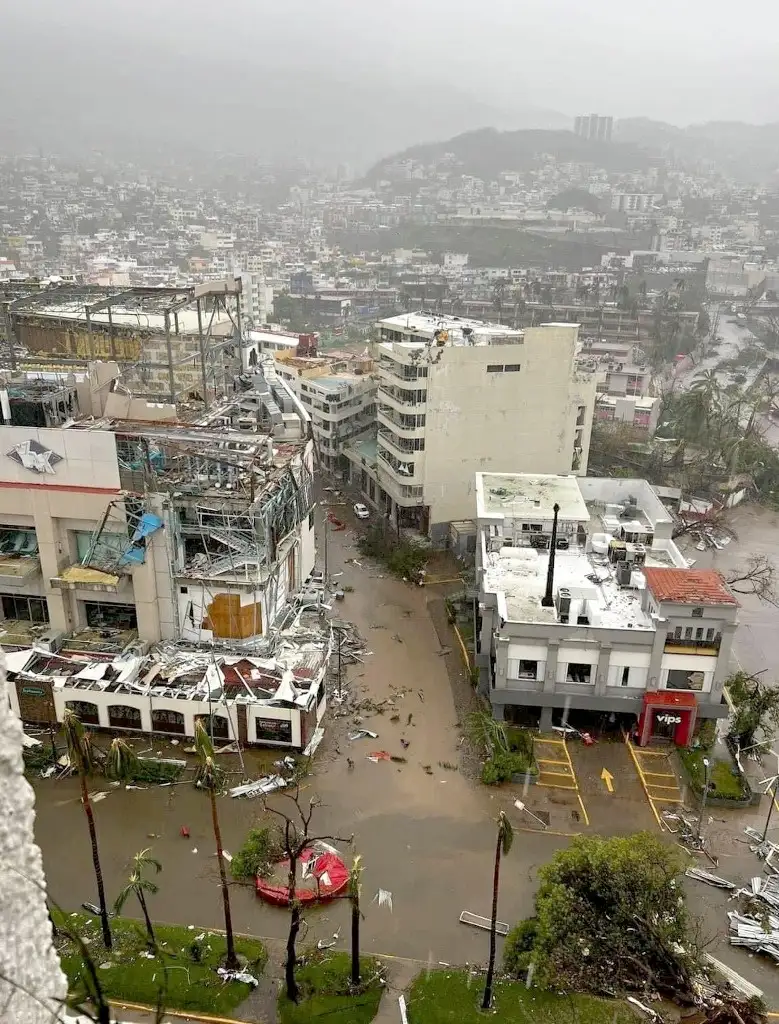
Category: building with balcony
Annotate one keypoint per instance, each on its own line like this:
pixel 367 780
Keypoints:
pixel 640 413
pixel 456 397
pixel 338 393
pixel 599 615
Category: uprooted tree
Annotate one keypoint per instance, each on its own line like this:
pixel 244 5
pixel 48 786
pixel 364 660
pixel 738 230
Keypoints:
pixel 610 918
pixel 756 710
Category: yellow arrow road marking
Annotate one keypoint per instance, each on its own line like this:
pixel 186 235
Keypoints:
pixel 608 778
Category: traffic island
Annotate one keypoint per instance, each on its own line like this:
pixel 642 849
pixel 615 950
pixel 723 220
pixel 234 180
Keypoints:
pixel 326 992
pixel 180 975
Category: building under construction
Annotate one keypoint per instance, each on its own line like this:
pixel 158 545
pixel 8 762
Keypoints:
pixel 171 344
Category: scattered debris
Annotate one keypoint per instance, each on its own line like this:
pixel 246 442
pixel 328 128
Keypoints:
pixel 244 976
pixel 444 651
pixel 227 856
pixel 397 637
pixel 428 768
pixel 259 787
pixel 384 898
pixel 405 743
pixel 362 734
pixel 321 944
pixel 646 1010
pixel 466 917
pixel 314 742
pixel 704 876
pixel 379 755
pixel 393 718
pixel 398 759
pixel 448 766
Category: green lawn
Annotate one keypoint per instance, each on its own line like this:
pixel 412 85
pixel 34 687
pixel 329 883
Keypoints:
pixel 725 783
pixel 454 997
pixel 191 985
pixel 324 991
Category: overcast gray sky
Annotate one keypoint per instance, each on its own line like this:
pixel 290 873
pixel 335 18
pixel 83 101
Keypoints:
pixel 422 66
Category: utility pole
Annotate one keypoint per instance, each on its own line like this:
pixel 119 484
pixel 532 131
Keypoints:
pixel 325 570
pixel 340 641
pixel 770 808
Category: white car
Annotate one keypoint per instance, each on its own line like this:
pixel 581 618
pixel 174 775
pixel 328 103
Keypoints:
pixel 361 511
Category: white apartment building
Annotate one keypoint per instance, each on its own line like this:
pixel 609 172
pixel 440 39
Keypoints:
pixel 602 615
pixel 256 297
pixel 457 397
pixel 339 395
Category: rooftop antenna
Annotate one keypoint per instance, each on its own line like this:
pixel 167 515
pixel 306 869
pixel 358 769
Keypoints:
pixel 547 601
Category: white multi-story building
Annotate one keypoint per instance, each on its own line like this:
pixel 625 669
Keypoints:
pixel 601 614
pixel 459 396
pixel 256 296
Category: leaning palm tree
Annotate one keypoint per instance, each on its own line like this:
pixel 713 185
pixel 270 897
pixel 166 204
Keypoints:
pixel 503 845
pixel 121 761
pixel 81 756
pixel 209 777
pixel 139 887
pixel 354 890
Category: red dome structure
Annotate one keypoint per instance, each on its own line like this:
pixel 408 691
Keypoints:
pixel 324 876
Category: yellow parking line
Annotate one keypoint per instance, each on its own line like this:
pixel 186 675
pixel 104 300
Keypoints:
pixel 549 760
pixel 642 779
pixel 570 774
pixel 546 771
pixel 660 775
pixel 558 743
pixel 656 785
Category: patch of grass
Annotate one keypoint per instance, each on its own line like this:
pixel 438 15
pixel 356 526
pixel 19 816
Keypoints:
pixel 326 995
pixel 454 997
pixel 191 984
pixel 724 782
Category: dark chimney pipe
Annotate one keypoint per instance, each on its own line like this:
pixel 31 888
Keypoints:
pixel 547 601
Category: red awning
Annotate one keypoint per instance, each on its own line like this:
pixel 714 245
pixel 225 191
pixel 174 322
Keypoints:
pixel 670 699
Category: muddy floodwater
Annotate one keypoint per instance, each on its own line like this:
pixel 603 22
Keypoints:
pixel 427 838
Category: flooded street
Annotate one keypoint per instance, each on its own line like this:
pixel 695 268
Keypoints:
pixel 428 839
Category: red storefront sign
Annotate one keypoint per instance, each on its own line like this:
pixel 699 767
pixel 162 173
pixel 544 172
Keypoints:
pixel 668 713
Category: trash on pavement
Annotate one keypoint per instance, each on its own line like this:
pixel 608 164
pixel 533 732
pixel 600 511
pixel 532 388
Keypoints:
pixel 466 917
pixel 379 755
pixel 259 787
pixel 384 898
pixel 362 734
pixel 244 976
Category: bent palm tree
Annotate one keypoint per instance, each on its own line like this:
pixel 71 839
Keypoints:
pixel 80 753
pixel 209 777
pixel 139 887
pixel 503 845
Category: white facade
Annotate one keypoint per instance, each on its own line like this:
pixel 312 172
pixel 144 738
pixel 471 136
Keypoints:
pixel 256 297
pixel 457 397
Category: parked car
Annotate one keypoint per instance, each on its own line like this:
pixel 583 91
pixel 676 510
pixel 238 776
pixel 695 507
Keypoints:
pixel 361 511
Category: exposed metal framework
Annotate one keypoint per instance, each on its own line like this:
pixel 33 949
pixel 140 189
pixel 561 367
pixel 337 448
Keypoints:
pixel 197 330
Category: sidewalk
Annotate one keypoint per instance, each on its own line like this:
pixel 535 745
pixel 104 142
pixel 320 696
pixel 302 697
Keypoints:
pixel 400 974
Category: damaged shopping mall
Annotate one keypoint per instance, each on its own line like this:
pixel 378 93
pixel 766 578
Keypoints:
pixel 154 556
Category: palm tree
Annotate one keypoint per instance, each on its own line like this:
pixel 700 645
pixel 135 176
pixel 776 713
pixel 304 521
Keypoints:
pixel 209 777
pixel 121 762
pixel 503 845
pixel 81 756
pixel 354 891
pixel 139 886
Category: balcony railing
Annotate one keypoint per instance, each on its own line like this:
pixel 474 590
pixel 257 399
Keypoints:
pixel 393 465
pixel 401 396
pixel 398 421
pixel 677 645
pixel 400 444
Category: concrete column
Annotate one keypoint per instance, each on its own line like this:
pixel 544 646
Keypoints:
pixel 551 667
pixel 102 709
pixel 602 670
pixel 721 671
pixel 545 725
pixel 656 660
pixel 51 562
pixel 499 712
pixel 146 717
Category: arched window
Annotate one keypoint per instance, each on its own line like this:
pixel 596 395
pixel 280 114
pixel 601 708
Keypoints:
pixel 120 716
pixel 216 726
pixel 84 710
pixel 167 721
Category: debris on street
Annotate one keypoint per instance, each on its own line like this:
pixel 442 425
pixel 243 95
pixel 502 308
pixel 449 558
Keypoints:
pixel 477 921
pixel 704 876
pixel 261 787
pixel 384 898
pixel 362 734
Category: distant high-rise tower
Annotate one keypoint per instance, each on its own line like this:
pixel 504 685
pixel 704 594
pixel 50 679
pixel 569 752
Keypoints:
pixel 592 126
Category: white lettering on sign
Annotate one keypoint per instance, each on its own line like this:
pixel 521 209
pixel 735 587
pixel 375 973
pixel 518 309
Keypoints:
pixel 35 456
pixel 669 719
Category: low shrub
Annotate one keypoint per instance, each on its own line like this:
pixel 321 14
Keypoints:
pixel 503 765
pixel 261 849
pixel 518 947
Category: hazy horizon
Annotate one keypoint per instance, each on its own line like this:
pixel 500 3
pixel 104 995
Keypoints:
pixel 347 81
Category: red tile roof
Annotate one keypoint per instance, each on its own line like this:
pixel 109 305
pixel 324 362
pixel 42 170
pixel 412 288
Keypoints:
pixel 689 586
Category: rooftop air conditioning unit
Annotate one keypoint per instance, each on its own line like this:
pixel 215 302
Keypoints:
pixel 563 603
pixel 52 640
pixel 624 573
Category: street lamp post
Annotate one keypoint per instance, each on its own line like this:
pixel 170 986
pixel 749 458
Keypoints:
pixel 705 794
pixel 770 808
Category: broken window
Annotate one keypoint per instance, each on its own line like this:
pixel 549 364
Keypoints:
pixel 578 672
pixel 122 716
pixel 273 730
pixel 527 669
pixel 167 721
pixel 625 678
pixel 84 710
pixel 217 726
pixel 18 542
pixel 683 679
pixel 30 609
pixel 101 615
